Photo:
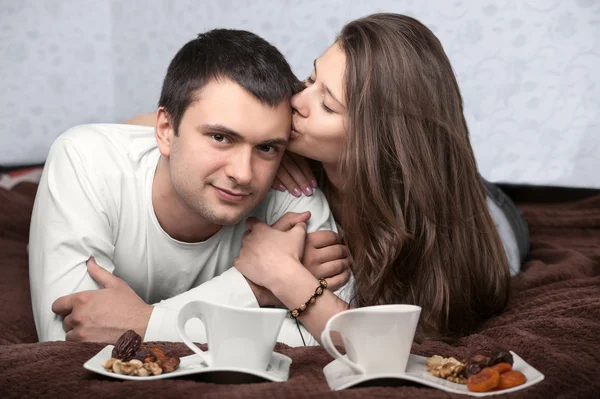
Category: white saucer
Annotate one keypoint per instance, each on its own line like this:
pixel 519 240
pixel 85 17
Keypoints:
pixel 339 376
pixel 277 371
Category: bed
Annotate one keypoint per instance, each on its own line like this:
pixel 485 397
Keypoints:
pixel 552 321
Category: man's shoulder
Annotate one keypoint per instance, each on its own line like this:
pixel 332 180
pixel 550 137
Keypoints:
pixel 277 203
pixel 105 139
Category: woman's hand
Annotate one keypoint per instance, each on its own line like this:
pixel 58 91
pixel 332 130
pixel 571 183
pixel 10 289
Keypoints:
pixel 142 120
pixel 294 174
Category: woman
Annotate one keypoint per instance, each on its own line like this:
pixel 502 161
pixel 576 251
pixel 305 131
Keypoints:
pixel 382 116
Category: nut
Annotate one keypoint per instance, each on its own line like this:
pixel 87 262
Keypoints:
pixel 109 363
pixel 127 346
pixel 448 368
pixel 142 372
pixel 153 368
pixel 116 367
pixel 458 380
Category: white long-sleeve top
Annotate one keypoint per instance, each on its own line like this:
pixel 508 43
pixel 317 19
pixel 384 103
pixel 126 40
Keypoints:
pixel 95 199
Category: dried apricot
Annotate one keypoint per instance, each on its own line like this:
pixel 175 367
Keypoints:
pixel 159 353
pixel 502 367
pixel 511 379
pixel 486 380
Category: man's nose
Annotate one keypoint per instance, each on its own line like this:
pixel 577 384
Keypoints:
pixel 239 167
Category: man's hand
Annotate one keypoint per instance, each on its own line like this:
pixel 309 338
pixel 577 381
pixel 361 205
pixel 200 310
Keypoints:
pixel 326 257
pixel 102 315
pixel 323 255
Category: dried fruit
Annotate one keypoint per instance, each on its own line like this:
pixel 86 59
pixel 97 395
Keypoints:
pixel 476 364
pixel 127 345
pixel 501 357
pixel 131 358
pixel 502 367
pixel 169 364
pixel 159 353
pixel 511 379
pixel 486 380
pixel 145 356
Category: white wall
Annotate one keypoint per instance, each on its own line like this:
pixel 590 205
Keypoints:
pixel 529 69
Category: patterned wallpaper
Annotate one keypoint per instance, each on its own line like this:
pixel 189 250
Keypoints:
pixel 529 69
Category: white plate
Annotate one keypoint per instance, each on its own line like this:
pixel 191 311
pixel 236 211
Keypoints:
pixel 277 371
pixel 339 376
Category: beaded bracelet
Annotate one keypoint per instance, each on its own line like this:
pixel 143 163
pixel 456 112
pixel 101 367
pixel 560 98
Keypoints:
pixel 318 291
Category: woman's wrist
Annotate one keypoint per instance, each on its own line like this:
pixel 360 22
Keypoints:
pixel 294 288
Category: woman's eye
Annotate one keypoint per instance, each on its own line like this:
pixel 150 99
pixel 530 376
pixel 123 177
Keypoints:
pixel 220 138
pixel 326 108
pixel 309 80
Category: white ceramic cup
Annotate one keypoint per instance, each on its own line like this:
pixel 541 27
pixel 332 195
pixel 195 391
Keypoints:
pixel 241 338
pixel 377 339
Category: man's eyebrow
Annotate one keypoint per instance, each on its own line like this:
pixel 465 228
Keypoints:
pixel 217 128
pixel 327 88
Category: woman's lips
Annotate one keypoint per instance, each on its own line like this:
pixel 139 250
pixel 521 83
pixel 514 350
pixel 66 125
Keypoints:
pixel 294 134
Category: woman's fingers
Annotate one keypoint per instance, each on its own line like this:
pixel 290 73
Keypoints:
pixel 305 168
pixel 297 174
pixel 288 181
pixel 277 185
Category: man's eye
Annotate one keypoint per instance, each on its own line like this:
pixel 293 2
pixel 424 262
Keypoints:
pixel 268 149
pixel 220 138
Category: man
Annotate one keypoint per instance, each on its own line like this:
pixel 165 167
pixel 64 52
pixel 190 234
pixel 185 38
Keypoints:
pixel 129 216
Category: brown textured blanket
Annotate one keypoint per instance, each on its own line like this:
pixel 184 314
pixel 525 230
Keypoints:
pixel 552 321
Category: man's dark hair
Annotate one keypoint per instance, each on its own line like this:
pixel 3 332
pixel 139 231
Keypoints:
pixel 238 55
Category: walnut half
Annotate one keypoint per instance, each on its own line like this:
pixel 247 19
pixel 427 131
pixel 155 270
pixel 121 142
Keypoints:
pixel 448 368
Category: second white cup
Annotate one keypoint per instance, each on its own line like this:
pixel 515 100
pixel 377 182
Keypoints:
pixel 377 339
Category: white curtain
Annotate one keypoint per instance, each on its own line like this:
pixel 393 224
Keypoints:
pixel 529 70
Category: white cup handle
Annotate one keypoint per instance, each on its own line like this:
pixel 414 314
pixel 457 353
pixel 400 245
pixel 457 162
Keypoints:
pixel 329 347
pixel 189 311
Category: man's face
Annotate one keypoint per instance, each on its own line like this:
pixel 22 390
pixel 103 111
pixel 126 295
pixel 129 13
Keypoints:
pixel 227 152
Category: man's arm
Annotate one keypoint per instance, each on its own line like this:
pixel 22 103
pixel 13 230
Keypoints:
pixel 71 222
pixel 68 225
pixel 233 283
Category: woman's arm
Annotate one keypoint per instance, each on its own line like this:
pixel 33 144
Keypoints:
pixel 271 258
pixel 295 289
pixel 142 120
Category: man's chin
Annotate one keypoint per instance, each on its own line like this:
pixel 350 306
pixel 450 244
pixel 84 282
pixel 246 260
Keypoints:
pixel 228 219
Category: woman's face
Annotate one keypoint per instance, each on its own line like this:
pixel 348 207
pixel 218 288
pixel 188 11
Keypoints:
pixel 319 119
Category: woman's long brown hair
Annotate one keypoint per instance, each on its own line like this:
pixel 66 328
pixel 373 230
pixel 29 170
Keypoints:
pixel 413 206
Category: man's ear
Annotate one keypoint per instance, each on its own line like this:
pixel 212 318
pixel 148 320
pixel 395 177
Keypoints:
pixel 164 131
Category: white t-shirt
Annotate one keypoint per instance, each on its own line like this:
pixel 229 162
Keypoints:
pixel 95 199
